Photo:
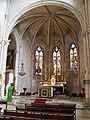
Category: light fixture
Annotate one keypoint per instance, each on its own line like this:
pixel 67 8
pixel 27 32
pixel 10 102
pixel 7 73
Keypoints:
pixel 22 73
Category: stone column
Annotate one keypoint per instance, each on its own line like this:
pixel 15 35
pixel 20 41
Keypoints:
pixel 87 64
pixel 87 89
pixel 87 20
pixel 88 34
pixel 32 71
pixel 3 63
pixel 0 53
pixel 45 67
pixel 48 64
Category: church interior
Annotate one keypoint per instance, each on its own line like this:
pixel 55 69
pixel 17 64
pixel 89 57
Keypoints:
pixel 45 57
pixel 49 49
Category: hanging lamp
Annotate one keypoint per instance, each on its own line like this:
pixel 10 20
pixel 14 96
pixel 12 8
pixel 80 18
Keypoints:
pixel 22 73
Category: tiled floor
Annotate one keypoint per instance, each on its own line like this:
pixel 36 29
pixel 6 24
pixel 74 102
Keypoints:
pixel 82 109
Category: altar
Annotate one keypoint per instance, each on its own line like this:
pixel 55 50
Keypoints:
pixel 46 91
pixel 52 87
pixel 50 90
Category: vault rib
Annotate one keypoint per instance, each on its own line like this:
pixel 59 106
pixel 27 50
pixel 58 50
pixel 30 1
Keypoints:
pixel 47 10
pixel 60 32
pixel 30 16
pixel 38 29
pixel 68 16
pixel 69 26
pixel 31 24
pixel 48 37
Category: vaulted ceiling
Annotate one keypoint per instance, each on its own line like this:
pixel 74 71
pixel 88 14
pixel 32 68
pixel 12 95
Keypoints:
pixel 48 23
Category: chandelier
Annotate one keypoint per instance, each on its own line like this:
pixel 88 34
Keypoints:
pixel 22 73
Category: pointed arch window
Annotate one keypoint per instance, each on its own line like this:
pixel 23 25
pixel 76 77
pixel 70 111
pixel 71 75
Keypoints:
pixel 38 60
pixel 56 61
pixel 73 57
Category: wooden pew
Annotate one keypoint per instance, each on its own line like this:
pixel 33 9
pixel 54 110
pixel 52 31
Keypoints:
pixel 50 111
pixel 48 105
pixel 38 115
pixel 46 110
pixel 59 106
pixel 8 117
pixel 25 114
pixel 65 108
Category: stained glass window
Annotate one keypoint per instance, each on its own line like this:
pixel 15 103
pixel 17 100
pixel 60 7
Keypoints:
pixel 56 61
pixel 38 60
pixel 73 57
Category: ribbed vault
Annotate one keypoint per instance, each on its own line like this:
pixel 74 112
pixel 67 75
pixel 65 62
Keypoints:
pixel 50 23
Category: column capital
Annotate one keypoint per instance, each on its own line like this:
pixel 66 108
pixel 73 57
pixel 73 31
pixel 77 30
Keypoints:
pixel 5 42
pixel 86 81
pixel 87 31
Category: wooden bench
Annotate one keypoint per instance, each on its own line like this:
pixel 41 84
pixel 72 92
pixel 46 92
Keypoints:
pixel 46 110
pixel 61 108
pixel 39 115
pixel 8 117
pixel 35 104
pixel 64 109
pixel 22 114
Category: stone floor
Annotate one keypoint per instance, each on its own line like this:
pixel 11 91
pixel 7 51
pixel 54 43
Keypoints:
pixel 82 106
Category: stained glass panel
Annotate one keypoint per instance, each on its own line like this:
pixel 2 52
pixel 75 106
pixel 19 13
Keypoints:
pixel 38 60
pixel 73 57
pixel 56 61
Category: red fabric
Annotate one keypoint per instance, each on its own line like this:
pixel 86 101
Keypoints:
pixel 40 99
pixel 37 101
